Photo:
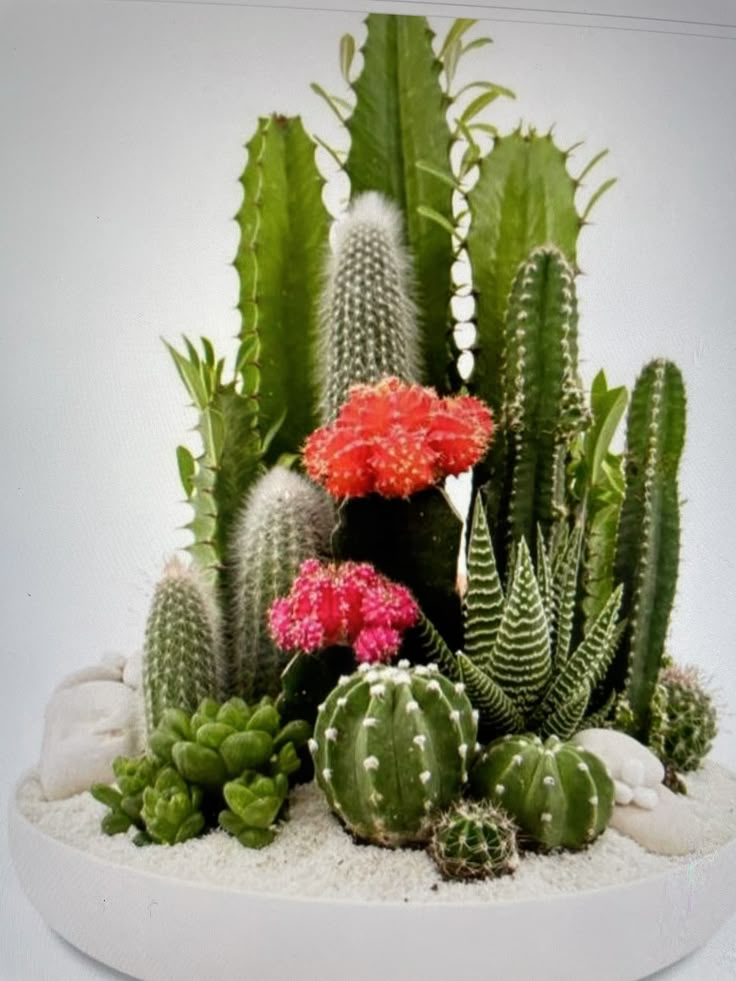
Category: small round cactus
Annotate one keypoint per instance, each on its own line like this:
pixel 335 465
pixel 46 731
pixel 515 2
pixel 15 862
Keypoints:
pixel 688 718
pixel 474 841
pixel 391 747
pixel 559 794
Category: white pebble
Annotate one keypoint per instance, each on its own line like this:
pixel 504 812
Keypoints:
pixel 645 797
pixel 624 794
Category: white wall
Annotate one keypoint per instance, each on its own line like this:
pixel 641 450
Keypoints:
pixel 122 130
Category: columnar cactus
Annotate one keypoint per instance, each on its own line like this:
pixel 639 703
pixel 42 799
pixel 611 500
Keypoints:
pixel 392 746
pixel 543 406
pixel 518 661
pixel 687 722
pixel 474 841
pixel 182 654
pixel 286 520
pixel 368 328
pixel 560 795
pixel 649 533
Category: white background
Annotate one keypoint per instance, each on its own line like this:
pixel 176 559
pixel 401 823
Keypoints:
pixel 122 126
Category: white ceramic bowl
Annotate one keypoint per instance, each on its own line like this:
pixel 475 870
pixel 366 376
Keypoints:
pixel 162 929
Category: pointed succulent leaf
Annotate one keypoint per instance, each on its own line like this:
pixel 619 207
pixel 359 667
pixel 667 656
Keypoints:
pixel 434 648
pixel 484 600
pixel 521 663
pixel 496 708
pixel 565 720
pixel 399 119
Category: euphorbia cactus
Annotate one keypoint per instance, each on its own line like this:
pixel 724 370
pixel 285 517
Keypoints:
pixel 392 746
pixel 560 795
pixel 285 520
pixel 368 328
pixel 474 841
pixel 182 656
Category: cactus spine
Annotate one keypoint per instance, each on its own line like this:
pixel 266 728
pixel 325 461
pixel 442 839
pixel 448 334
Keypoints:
pixel 686 724
pixel 286 519
pixel 182 655
pixel 391 746
pixel 560 795
pixel 368 328
pixel 543 405
pixel 649 533
pixel 474 841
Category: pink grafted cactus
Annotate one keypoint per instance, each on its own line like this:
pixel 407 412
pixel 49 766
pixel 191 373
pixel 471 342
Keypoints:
pixel 348 603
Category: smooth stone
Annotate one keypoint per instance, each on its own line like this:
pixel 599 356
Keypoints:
pixel 619 751
pixel 86 726
pixel 632 773
pixel 623 792
pixel 645 797
pixel 93 672
pixel 670 828
pixel 114 659
pixel 133 672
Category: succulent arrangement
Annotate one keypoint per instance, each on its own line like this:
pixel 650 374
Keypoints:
pixel 323 604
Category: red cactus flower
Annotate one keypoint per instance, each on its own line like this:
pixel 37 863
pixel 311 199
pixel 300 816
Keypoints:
pixel 396 439
pixel 348 603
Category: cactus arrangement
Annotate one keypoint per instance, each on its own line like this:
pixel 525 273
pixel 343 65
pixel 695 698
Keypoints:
pixel 333 580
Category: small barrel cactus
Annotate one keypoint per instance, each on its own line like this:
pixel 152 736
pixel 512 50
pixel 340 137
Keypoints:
pixel 474 841
pixel 687 722
pixel 286 519
pixel 392 746
pixel 182 652
pixel 560 795
pixel 171 809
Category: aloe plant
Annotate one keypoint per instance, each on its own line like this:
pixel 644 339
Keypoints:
pixel 518 663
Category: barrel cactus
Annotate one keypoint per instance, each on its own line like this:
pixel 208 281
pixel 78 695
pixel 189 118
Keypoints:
pixel 686 722
pixel 182 659
pixel 474 840
pixel 391 747
pixel 560 795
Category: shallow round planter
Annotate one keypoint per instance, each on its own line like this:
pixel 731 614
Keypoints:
pixel 158 928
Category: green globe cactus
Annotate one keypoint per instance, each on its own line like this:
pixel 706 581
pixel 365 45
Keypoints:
pixel 474 840
pixel 560 795
pixel 286 519
pixel 687 721
pixel 182 651
pixel 171 809
pixel 392 746
pixel 368 328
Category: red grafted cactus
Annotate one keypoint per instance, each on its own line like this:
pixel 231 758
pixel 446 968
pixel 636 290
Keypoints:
pixel 347 603
pixel 395 439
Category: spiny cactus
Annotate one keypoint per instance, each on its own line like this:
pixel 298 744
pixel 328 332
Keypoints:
pixel 543 408
pixel 687 721
pixel 474 841
pixel 286 520
pixel 517 662
pixel 560 795
pixel 368 328
pixel 182 655
pixel 391 746
pixel 649 533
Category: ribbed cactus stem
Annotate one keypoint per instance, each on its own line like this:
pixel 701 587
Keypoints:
pixel 182 656
pixel 391 746
pixel 543 406
pixel 285 520
pixel 649 531
pixel 367 325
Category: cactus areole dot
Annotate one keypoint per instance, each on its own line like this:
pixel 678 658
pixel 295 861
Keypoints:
pixel 391 748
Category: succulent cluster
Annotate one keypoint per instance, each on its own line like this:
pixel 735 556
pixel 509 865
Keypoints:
pixel 323 536
pixel 229 758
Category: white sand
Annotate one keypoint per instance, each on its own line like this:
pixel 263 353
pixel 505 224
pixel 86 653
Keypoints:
pixel 313 856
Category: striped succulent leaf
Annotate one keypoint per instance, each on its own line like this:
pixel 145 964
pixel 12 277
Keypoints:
pixel 483 604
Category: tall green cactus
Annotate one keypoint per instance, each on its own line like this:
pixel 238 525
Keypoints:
pixel 543 407
pixel 182 654
pixel 368 322
pixel 285 520
pixel 649 532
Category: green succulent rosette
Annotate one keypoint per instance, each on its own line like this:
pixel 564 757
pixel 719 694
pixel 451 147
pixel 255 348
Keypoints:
pixel 171 809
pixel 254 802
